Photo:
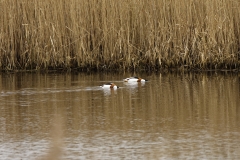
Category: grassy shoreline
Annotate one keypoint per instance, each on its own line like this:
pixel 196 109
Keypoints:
pixel 119 35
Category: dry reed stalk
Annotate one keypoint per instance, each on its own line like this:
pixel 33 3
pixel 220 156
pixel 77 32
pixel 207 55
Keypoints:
pixel 119 34
pixel 55 151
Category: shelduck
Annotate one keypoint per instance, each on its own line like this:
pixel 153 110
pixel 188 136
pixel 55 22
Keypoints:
pixel 134 79
pixel 110 86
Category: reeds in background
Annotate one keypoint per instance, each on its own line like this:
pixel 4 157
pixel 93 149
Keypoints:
pixel 127 34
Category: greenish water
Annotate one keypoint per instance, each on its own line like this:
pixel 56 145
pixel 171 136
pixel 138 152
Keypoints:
pixel 172 116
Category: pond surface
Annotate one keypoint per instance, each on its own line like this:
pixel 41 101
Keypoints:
pixel 68 116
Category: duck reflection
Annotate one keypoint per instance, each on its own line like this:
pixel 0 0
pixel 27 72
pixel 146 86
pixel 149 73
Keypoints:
pixel 133 86
pixel 108 92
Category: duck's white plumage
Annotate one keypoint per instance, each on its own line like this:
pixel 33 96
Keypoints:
pixel 109 86
pixel 134 79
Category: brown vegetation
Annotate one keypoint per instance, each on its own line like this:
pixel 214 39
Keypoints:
pixel 127 34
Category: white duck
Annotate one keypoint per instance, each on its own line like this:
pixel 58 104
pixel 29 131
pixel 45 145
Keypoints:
pixel 134 79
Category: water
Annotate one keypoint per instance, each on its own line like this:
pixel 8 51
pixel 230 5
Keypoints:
pixel 68 116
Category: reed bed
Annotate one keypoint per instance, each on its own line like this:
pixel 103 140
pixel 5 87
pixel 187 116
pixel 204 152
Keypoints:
pixel 126 34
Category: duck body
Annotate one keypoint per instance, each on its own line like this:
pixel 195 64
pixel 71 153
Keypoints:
pixel 109 86
pixel 134 79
